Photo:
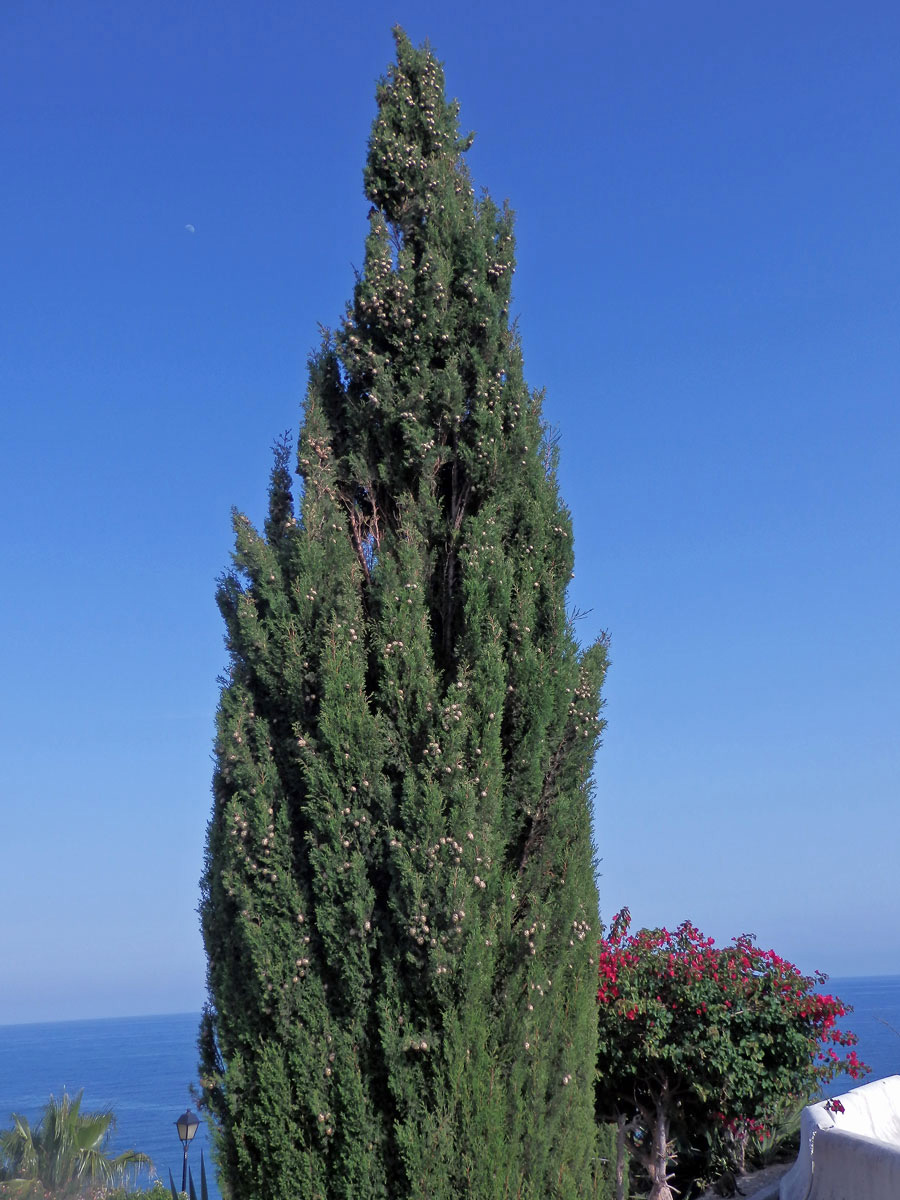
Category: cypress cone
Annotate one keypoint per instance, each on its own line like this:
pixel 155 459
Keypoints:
pixel 399 906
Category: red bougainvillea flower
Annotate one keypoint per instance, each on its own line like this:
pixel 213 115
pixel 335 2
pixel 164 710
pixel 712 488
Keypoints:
pixel 687 1030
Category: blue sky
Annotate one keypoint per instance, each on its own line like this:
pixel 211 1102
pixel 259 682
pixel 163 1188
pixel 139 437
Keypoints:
pixel 708 200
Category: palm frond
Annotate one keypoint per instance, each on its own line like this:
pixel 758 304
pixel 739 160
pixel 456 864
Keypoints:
pixel 66 1150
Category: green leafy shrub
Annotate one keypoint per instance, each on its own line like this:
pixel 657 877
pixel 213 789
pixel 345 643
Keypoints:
pixel 700 1047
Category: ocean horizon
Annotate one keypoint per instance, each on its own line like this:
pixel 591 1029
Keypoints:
pixel 144 1068
pixel 875 1000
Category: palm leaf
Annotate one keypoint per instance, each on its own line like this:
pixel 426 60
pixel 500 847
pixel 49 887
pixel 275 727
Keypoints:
pixel 18 1150
pixel 66 1151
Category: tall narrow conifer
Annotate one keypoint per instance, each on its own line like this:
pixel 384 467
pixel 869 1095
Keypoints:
pixel 399 905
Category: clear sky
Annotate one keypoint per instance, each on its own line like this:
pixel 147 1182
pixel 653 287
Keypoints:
pixel 708 201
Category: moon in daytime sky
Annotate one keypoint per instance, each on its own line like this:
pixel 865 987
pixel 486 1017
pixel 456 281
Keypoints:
pixel 190 229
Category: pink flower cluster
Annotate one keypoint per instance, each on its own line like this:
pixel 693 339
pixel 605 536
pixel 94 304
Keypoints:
pixel 658 976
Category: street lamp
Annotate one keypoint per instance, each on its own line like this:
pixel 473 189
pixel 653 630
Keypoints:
pixel 186 1125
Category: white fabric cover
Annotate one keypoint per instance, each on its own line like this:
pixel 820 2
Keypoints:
pixel 853 1155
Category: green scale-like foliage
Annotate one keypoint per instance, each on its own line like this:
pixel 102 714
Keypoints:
pixel 399 903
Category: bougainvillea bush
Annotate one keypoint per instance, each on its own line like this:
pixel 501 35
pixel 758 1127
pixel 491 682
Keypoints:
pixel 699 1045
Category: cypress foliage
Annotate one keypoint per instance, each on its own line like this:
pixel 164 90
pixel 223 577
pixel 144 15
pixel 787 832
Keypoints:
pixel 399 906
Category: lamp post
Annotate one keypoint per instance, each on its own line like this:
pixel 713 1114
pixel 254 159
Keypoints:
pixel 186 1125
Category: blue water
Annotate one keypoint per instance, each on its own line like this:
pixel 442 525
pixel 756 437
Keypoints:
pixel 876 1022
pixel 142 1068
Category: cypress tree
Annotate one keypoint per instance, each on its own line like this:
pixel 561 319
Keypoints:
pixel 399 905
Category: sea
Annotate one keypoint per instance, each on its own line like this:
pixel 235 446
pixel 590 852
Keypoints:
pixel 143 1068
pixel 875 1000
pixel 140 1067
